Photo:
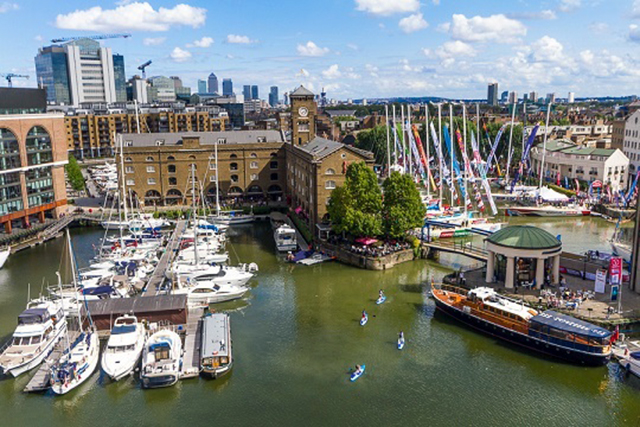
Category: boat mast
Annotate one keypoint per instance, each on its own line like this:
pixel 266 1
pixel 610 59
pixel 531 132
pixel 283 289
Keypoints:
pixel 215 150
pixel 453 178
pixel 73 275
pixel 193 213
pixel 124 188
pixel 513 116
pixel 386 114
pixel 440 148
pixel 426 111
pixel 404 147
pixel 544 145
pixel 64 314
pixel 395 145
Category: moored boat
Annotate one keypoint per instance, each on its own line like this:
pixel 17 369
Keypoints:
pixel 77 364
pixel 551 333
pixel 285 237
pixel 161 359
pixel 547 211
pixel 216 357
pixel 4 255
pixel 124 347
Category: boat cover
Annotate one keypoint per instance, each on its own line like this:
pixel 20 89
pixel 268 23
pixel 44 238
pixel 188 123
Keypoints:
pixel 123 329
pixel 98 290
pixel 33 315
pixel 570 324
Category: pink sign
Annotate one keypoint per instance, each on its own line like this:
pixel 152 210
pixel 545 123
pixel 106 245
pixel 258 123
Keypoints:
pixel 615 270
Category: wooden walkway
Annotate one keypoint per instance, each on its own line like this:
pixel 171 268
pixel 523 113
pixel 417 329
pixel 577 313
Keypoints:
pixel 41 380
pixel 458 248
pixel 192 344
pixel 157 278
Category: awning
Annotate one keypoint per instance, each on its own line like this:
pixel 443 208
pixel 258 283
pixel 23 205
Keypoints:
pixel 570 324
pixel 366 240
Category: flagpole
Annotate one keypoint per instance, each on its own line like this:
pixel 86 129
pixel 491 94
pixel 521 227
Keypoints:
pixel 395 145
pixel 408 129
pixel 440 147
pixel 386 114
pixel 426 111
pixel 513 116
pixel 465 156
pixel 453 178
pixel 404 147
pixel 544 144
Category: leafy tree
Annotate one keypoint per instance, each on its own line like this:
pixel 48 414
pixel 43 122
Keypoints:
pixel 402 208
pixel 74 174
pixel 355 207
pixel 375 140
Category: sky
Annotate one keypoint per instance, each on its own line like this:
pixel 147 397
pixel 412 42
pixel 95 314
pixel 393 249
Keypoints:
pixel 352 48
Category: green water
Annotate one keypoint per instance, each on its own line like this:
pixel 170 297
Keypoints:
pixel 297 335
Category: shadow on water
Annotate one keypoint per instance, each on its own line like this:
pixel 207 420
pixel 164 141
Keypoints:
pixel 415 288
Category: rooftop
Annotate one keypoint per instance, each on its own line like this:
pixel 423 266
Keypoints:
pixel 524 237
pixel 206 138
pixel 301 91
pixel 321 147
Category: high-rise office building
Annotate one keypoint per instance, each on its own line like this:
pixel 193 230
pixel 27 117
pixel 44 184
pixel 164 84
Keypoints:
pixel 162 89
pixel 202 86
pixel 51 69
pixel 213 83
pixel 139 90
pixel 492 94
pixel 120 78
pixel 504 96
pixel 513 97
pixel 273 96
pixel 533 96
pixel 254 92
pixel 227 87
pixel 571 98
pixel 551 97
pixel 525 97
pixel 246 92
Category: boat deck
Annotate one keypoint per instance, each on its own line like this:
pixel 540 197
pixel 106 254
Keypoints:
pixel 40 381
pixel 192 344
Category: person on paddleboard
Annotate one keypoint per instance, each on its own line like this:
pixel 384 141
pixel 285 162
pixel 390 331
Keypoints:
pixel 401 336
pixel 358 369
pixel 364 314
pixel 381 294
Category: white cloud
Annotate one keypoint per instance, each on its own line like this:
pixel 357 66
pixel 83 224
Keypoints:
pixel 312 49
pixel 153 41
pixel 569 5
pixel 543 14
pixel 8 7
pixel 495 28
pixel 203 42
pixel 453 49
pixel 333 72
pixel 413 23
pixel 387 7
pixel 38 38
pixel 353 46
pixel 303 73
pixel 548 49
pixel 180 55
pixel 435 2
pixel 137 16
pixel 237 39
pixel 587 57
pixel 634 33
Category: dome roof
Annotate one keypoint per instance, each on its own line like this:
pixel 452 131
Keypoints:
pixel 524 237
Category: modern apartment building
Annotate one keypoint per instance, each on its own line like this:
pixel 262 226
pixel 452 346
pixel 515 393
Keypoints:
pixel 492 94
pixel 227 87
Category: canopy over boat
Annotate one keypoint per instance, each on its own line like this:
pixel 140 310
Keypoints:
pixel 33 315
pixel 570 324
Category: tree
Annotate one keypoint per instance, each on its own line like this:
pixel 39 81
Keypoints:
pixel 355 208
pixel 375 140
pixel 402 208
pixel 74 174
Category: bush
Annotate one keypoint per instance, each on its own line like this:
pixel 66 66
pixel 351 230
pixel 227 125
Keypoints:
pixel 301 226
pixel 74 174
pixel 413 241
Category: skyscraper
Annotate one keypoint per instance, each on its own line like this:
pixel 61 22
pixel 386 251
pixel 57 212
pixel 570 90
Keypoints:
pixel 533 96
pixel 202 86
pixel 571 98
pixel 513 97
pixel 227 87
pixel 254 92
pixel 492 94
pixel 120 78
pixel 51 69
pixel 162 89
pixel 213 83
pixel 504 96
pixel 246 92
pixel 273 96
pixel 91 72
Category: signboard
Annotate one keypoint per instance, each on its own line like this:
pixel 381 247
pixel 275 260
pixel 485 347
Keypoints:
pixel 597 184
pixel 615 290
pixel 615 270
pixel 601 281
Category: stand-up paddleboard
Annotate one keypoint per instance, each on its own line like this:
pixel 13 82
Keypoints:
pixel 356 375
pixel 364 320
pixel 400 344
pixel 381 299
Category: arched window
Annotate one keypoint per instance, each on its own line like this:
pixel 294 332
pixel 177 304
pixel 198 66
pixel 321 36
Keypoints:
pixel 128 159
pixel 171 158
pixel 233 156
pixel 38 146
pixel 253 165
pixel 275 189
pixel 233 166
pixel 234 178
pixel 9 150
pixel 254 177
pixel 253 155
pixel 173 197
pixel 274 154
pixel 235 191
pixel 330 185
pixel 152 197
pixel 193 166
pixel 192 157
pixel 254 189
pixel 330 172
pixel 150 159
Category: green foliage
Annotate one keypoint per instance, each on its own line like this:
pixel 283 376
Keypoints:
pixel 402 208
pixel 568 193
pixel 355 207
pixel 301 226
pixel 74 174
pixel 374 140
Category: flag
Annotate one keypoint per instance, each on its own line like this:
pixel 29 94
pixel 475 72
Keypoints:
pixel 616 335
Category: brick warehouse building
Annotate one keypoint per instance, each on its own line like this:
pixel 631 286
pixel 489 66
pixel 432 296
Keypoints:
pixel 253 165
pixel 33 152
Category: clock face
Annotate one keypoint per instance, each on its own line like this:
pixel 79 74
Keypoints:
pixel 303 111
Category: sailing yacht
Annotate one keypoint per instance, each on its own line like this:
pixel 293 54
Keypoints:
pixel 123 350
pixel 161 359
pixel 39 328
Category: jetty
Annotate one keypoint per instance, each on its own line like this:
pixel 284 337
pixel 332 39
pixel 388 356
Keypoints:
pixel 156 280
pixel 192 344
pixel 41 381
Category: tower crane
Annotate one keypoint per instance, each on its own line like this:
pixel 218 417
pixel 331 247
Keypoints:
pixel 143 68
pixel 96 37
pixel 10 76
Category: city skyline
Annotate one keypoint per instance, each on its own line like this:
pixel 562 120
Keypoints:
pixel 383 49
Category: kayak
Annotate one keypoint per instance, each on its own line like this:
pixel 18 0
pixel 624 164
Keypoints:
pixel 381 299
pixel 364 320
pixel 400 344
pixel 356 375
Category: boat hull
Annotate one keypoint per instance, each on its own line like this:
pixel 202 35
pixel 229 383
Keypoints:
pixel 514 211
pixel 4 255
pixel 18 370
pixel 529 342
pixel 216 373
pixel 160 380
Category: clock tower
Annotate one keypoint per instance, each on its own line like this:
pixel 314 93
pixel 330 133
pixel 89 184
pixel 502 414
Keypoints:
pixel 303 116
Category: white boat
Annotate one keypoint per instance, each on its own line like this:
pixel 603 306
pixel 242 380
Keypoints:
pixel 124 347
pixel 231 218
pixel 547 211
pixel 209 292
pixel 137 223
pixel 39 328
pixel 285 237
pixel 161 359
pixel 315 259
pixel 216 357
pixel 623 250
pixel 77 364
pixel 221 275
pixel 4 255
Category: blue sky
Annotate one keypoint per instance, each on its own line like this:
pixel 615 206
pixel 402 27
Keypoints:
pixel 353 48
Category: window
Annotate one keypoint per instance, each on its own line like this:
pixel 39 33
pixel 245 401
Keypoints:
pixel 330 172
pixel 149 159
pixel 212 178
pixel 264 138
pixel 173 180
pixel 159 142
pixel 131 182
pixel 193 166
pixel 128 169
pixel 233 166
pixel 328 201
pixel 274 177
pixel 128 159
pixel 254 177
pixel 212 166
pixel 171 168
pixel 253 155
pixel 274 154
pixel 151 181
pixel 253 165
pixel 273 165
pixel 233 156
pixel 171 158
pixel 222 141
pixel 234 178
pixel 330 185
pixel 151 169
pixel 344 156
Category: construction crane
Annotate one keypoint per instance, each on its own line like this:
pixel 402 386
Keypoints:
pixel 10 76
pixel 143 68
pixel 98 37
